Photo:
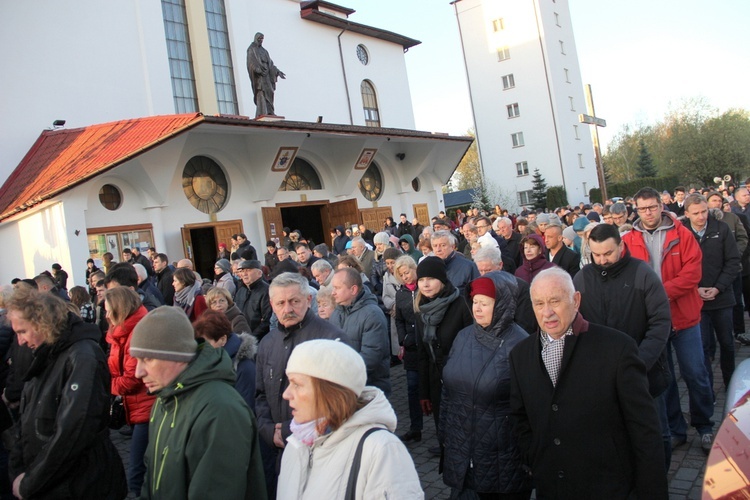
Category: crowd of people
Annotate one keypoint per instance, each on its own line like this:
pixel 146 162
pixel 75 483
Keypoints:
pixel 541 344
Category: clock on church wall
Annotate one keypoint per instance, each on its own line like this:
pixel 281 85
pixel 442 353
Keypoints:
pixel 204 184
pixel 362 54
pixel 371 183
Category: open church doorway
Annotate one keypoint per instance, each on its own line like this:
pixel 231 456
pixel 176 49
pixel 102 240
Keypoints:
pixel 200 242
pixel 314 218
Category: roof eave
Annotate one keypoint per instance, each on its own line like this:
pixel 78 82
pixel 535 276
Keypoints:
pixel 315 15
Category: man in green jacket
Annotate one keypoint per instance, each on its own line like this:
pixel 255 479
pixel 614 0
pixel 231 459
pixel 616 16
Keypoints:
pixel 203 441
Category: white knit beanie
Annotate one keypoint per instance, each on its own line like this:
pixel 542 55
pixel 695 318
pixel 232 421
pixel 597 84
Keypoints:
pixel 329 360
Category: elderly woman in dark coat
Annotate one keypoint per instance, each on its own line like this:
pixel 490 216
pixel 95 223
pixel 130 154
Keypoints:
pixel 481 455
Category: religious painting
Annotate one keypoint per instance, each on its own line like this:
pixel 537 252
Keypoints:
pixel 284 159
pixel 365 159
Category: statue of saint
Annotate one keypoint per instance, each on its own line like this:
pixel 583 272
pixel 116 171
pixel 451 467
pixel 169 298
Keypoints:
pixel 263 76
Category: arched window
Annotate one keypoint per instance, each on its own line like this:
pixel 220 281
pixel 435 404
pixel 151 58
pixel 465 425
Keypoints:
pixel 370 104
pixel 301 177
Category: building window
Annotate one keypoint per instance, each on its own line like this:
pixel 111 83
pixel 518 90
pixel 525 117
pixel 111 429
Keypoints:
pixel 567 75
pixel 524 198
pixel 575 131
pixel 180 59
pixel 362 54
pixel 580 160
pixel 522 168
pixel 509 82
pixel 301 177
pixel 585 190
pixel 572 103
pixel 110 197
pixel 498 24
pixel 503 53
pixel 517 139
pixel 371 183
pixel 221 57
pixel 416 185
pixel 513 110
pixel 204 184
pixel 562 47
pixel 370 104
pixel 557 19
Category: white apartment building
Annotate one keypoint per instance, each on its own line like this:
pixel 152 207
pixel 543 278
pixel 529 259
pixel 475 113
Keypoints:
pixel 527 95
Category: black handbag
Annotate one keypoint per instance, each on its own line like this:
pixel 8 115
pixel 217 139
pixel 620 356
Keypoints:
pixel 116 413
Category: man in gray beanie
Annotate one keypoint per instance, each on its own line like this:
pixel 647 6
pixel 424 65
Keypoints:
pixel 194 449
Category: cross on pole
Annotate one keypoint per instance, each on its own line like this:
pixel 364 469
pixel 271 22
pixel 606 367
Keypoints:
pixel 592 119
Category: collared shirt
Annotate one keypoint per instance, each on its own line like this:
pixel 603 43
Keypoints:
pixel 552 353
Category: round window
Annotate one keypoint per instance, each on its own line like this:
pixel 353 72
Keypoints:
pixel 416 185
pixel 204 184
pixel 110 197
pixel 371 183
pixel 362 54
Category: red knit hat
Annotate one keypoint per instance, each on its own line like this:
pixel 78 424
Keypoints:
pixel 483 286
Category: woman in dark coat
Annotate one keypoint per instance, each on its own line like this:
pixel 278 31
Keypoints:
pixel 405 271
pixel 62 446
pixel 481 454
pixel 441 314
pixel 533 258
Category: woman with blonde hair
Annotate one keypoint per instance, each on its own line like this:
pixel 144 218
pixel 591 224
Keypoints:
pixel 325 301
pixel 342 443
pixel 124 311
pixel 219 299
pixel 63 447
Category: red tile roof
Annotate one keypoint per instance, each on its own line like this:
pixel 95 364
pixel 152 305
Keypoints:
pixel 62 159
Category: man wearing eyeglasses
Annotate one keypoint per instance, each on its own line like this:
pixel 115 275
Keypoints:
pixel 674 254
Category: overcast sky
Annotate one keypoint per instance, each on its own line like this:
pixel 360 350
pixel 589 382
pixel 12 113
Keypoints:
pixel 641 57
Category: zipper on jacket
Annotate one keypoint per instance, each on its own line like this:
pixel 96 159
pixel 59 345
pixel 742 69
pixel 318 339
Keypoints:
pixel 156 446
pixel 161 467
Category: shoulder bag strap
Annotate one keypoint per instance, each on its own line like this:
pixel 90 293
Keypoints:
pixel 351 486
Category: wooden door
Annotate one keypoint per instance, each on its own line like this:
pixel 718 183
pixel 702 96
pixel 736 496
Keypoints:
pixel 187 244
pixel 371 219
pixel 224 231
pixel 384 212
pixel 422 213
pixel 343 213
pixel 272 224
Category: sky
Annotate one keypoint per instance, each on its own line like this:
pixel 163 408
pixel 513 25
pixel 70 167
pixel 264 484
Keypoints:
pixel 641 57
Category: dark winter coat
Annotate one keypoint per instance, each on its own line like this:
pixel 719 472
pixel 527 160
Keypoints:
pixel 243 348
pixel 456 318
pixel 525 317
pixel 271 259
pixel 596 434
pixel 62 439
pixel 721 262
pixel 367 328
pixel 164 281
pixel 136 400
pixel 412 251
pixel 461 271
pixel 148 288
pixel 475 416
pixel 628 296
pixel 568 260
pixel 241 252
pixel 530 268
pixel 255 304
pixel 238 320
pixel 514 250
pixel 404 228
pixel 406 326
pixel 271 381
pixel 339 243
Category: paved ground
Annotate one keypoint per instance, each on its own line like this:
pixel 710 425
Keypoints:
pixel 685 473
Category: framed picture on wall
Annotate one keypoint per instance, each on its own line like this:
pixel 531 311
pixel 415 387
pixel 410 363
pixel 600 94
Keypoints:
pixel 365 158
pixel 284 159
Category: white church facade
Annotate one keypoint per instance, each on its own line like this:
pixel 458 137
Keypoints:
pixel 527 95
pixel 160 147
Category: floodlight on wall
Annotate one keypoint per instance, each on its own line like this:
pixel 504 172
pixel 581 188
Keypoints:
pixel 401 156
pixel 58 123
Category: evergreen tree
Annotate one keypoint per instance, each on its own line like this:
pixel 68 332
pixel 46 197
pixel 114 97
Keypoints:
pixel 646 166
pixel 538 190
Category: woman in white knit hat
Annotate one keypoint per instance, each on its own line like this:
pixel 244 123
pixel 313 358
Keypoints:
pixel 333 414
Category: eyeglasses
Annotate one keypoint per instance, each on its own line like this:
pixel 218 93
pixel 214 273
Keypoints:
pixel 482 227
pixel 643 210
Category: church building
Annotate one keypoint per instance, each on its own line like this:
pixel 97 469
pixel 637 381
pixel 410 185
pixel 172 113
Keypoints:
pixel 161 145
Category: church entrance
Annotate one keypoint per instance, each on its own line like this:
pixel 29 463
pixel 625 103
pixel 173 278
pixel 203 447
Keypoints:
pixel 200 242
pixel 314 218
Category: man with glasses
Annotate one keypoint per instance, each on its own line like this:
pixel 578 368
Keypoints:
pixel 674 254
pixel 619 213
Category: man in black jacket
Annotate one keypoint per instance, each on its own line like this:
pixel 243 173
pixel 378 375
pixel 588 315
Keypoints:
pixel 624 293
pixel 252 298
pixel 585 421
pixel 560 255
pixel 164 278
pixel 721 263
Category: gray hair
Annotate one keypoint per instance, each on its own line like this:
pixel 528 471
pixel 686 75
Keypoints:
pixel 490 254
pixel 321 265
pixel 285 280
pixel 381 238
pixel 444 235
pixel 141 271
pixel 358 240
pixel 559 274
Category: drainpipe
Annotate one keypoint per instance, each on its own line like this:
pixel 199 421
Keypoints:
pixel 346 84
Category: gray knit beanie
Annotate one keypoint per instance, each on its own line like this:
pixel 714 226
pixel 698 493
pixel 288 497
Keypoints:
pixel 224 265
pixel 164 333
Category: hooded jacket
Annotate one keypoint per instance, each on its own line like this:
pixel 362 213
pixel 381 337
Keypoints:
pixel 242 348
pixel 475 408
pixel 61 441
pixel 680 267
pixel 365 324
pixel 339 243
pixel 322 470
pixel 135 397
pixel 412 252
pixel 195 421
pixel 530 268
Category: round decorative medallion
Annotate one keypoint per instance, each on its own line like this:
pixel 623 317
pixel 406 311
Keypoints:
pixel 204 184
pixel 371 183
pixel 362 54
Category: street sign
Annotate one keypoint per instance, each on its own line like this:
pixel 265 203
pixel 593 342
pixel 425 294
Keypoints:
pixel 592 120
